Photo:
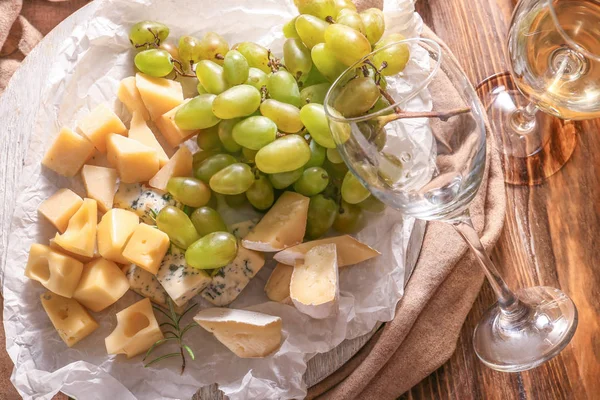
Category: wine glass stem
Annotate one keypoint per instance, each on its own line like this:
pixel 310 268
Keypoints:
pixel 523 119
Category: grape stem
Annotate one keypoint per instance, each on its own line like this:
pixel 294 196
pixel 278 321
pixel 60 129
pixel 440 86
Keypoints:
pixel 178 67
pixel 156 42
pixel 329 19
pixel 442 115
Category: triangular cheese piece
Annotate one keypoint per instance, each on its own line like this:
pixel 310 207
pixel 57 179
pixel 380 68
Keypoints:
pixel 129 95
pixel 80 236
pixel 138 130
pixel 179 165
pixel 278 285
pixel 100 185
pixel 134 161
pixel 158 94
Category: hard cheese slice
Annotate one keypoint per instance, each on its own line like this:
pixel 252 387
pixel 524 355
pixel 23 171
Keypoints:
pixel 145 284
pixel 68 153
pixel 102 284
pixel 247 334
pixel 170 130
pixel 70 319
pixel 114 230
pixel 55 271
pixel 138 130
pixel 158 94
pixel 60 207
pixel 146 247
pixel 181 281
pixel 349 251
pixel 314 287
pixel 134 161
pixel 283 226
pixel 129 95
pixel 80 236
pixel 142 200
pixel 278 285
pixel 100 185
pixel 231 279
pixel 100 123
pixel 179 165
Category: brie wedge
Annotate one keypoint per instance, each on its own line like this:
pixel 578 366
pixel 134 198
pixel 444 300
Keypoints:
pixel 278 285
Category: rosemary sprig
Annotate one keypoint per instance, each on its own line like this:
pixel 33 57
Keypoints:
pixel 175 333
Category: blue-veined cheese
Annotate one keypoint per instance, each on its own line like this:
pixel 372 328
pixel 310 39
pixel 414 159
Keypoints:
pixel 142 200
pixel 241 229
pixel 145 284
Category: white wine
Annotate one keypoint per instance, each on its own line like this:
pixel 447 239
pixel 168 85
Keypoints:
pixel 549 68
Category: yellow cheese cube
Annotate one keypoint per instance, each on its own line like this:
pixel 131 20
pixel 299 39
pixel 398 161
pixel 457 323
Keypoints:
pixel 137 330
pixel 169 129
pixel 100 184
pixel 102 284
pixel 134 161
pixel 130 96
pixel 60 207
pixel 78 257
pixel 70 319
pixel 68 153
pixel 55 271
pixel 80 236
pixel 138 130
pixel 114 230
pixel 158 94
pixel 99 123
pixel 179 165
pixel 147 247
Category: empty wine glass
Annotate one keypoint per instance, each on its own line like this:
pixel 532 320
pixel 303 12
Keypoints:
pixel 554 52
pixel 421 149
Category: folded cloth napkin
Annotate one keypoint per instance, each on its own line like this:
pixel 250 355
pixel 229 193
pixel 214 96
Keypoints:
pixel 436 301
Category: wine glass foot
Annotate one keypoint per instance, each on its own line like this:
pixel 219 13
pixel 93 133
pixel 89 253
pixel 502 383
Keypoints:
pixel 544 328
pixel 532 148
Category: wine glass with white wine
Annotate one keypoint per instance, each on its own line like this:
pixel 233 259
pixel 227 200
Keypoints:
pixel 412 132
pixel 554 79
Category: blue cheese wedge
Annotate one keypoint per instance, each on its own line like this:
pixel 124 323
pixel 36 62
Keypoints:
pixel 145 284
pixel 242 229
pixel 179 280
pixel 142 200
pixel 229 281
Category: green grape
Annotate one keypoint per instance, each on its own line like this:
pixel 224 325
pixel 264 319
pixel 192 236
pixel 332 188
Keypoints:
pixel 226 135
pixel 208 139
pixel 346 44
pixel 213 47
pixel 235 102
pixel 257 78
pixel 211 76
pixel 147 33
pixel 315 93
pixel 254 132
pixel 233 179
pixel 334 156
pixel 285 179
pixel 336 171
pixel 314 77
pixel 357 97
pixel 315 120
pixel 197 113
pixel 207 220
pixel 202 155
pixel 341 5
pixel 284 154
pixel 313 181
pixel 349 218
pixel 321 214
pixel 212 165
pixel 177 225
pixel 285 116
pixel 380 104
pixel 215 250
pixel 353 190
pixel 261 194
pixel 171 49
pixel 248 155
pixel 311 30
pixel 282 86
pixel 189 50
pixel 256 55
pixel 289 29
pixel 372 204
pixel 318 154
pixel 352 19
pixel 154 62
pixel 374 24
pixel 326 63
pixel 235 68
pixel 201 89
pixel 236 201
pixel 319 8
pixel 296 57
pixel 396 57
pixel 189 191
pixel 339 130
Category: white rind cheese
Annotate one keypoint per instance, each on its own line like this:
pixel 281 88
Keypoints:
pixel 143 200
pixel 278 285
pixel 315 286
pixel 247 334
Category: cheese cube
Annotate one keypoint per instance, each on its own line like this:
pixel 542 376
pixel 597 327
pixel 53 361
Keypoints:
pixel 138 130
pixel 60 207
pixel 181 281
pixel 143 200
pixel 315 286
pixel 242 229
pixel 99 123
pixel 282 226
pixel 100 185
pixel 134 161
pixel 78 257
pixel 70 319
pixel 278 285
pixel 68 153
pixel 80 236
pixel 145 284
pixel 102 284
pixel 230 280
pixel 137 330
pixel 146 247
pixel 129 95
pixel 349 251
pixel 179 165
pixel 114 230
pixel 55 271
pixel 247 334
pixel 158 94
pixel 169 129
